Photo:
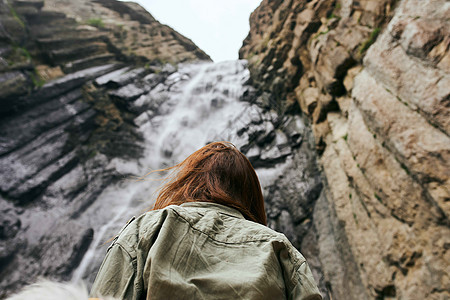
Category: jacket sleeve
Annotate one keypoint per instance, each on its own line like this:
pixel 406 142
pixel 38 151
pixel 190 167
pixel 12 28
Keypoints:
pixel 116 276
pixel 306 288
pixel 298 278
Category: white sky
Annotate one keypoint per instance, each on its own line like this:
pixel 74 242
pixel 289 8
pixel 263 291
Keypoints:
pixel 218 27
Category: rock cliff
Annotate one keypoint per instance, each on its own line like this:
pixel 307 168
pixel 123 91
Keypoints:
pixel 69 71
pixel 79 79
pixel 130 28
pixel 373 78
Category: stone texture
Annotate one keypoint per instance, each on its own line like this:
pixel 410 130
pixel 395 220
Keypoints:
pixel 421 149
pixel 131 29
pixel 392 67
pixel 13 84
pixel 372 219
pixel 373 78
pixel 60 130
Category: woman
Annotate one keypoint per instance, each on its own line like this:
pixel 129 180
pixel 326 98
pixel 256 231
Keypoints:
pixel 206 238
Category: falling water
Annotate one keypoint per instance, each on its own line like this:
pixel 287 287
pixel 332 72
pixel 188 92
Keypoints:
pixel 197 104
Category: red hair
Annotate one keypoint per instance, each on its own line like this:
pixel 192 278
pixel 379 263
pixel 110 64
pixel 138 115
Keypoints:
pixel 217 173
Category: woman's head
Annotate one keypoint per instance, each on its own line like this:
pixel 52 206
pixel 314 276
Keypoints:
pixel 217 173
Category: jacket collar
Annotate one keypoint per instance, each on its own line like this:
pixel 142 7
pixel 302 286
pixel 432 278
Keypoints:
pixel 217 207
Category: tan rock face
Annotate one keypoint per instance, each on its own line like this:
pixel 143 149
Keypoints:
pixel 43 40
pixel 131 29
pixel 373 78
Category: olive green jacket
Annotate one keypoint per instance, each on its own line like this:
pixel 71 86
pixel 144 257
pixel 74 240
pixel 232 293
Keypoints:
pixel 202 250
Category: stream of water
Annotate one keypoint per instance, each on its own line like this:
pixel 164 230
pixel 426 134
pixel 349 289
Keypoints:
pixel 197 104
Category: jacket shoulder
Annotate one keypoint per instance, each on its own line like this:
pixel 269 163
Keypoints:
pixel 137 229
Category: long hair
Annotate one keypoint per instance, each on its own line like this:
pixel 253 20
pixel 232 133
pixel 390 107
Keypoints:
pixel 216 173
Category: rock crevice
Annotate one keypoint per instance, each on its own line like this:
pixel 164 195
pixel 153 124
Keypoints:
pixel 372 76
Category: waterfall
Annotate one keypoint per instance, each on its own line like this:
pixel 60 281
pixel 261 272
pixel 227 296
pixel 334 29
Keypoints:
pixel 197 104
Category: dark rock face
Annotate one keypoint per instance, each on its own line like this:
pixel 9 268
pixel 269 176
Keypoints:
pixel 271 141
pixel 74 106
pixel 67 108
pixel 373 78
pixel 291 198
pixel 62 165
pixel 80 103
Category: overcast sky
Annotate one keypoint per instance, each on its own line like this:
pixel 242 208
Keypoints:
pixel 218 27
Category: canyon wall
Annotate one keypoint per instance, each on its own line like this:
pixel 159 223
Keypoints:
pixel 373 79
pixel 131 29
pixel 67 87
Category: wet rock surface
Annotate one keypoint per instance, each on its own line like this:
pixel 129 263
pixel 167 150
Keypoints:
pixel 66 112
pixel 372 77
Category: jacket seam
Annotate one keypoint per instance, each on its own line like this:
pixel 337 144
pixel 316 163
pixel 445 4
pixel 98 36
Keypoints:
pixel 295 279
pixel 132 258
pixel 227 243
pixel 237 214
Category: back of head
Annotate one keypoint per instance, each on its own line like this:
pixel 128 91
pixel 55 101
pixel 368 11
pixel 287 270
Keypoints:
pixel 217 173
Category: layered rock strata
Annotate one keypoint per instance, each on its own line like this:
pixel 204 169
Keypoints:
pixel 65 113
pixel 373 78
pixel 131 29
